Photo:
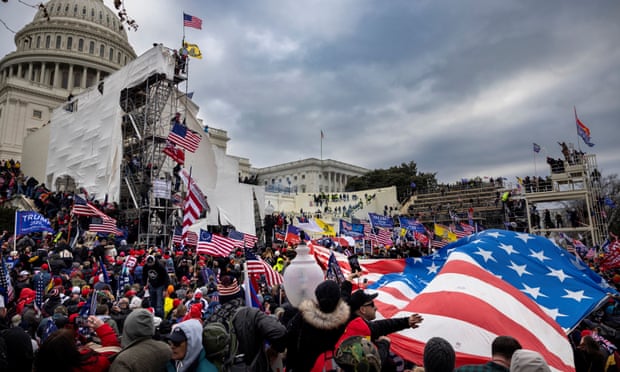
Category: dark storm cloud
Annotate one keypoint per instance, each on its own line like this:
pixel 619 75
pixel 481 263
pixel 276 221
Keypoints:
pixel 462 88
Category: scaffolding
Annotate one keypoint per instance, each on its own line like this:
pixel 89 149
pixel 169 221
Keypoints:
pixel 146 123
pixel 575 185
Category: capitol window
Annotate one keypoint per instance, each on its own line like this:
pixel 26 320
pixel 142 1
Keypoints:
pixel 38 42
pixel 101 50
pixel 80 45
pixel 37 114
pixel 58 41
pixel 69 43
pixel 111 54
pixel 48 41
pixel 91 47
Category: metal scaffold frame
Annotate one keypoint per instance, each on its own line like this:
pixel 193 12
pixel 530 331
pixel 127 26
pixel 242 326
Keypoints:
pixel 576 183
pixel 148 108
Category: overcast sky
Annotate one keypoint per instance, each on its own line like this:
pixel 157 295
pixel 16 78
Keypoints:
pixel 461 88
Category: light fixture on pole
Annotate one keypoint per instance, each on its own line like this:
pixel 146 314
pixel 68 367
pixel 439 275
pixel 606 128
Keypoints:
pixel 302 276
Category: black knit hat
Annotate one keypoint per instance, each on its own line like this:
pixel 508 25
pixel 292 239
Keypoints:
pixel 439 356
pixel 327 295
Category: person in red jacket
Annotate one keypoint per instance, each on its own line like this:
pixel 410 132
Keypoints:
pixel 59 352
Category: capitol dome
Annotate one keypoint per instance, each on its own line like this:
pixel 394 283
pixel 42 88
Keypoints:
pixel 69 46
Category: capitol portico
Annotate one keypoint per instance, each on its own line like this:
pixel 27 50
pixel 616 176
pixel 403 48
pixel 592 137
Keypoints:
pixel 308 176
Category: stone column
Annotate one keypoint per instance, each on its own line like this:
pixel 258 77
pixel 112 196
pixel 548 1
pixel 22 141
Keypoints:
pixel 56 82
pixel 19 70
pixel 70 79
pixel 43 71
pixel 30 77
pixel 84 73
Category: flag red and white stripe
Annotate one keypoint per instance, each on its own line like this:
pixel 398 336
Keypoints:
pixel 451 306
pixel 219 246
pixel 195 203
pixel 260 267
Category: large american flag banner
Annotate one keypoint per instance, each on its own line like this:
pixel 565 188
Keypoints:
pixel 523 285
pixel 214 245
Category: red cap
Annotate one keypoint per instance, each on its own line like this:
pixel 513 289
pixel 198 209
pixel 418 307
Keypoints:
pixel 176 302
pixel 130 293
pixel 45 267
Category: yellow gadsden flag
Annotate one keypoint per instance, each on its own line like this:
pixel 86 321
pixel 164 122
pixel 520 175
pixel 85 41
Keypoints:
pixel 193 50
pixel 327 228
pixel 445 233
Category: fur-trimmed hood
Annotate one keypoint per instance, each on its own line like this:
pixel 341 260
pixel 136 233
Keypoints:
pixel 326 321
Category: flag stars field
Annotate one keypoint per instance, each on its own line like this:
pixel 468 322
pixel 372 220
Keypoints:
pixel 509 249
pixel 539 255
pixel 576 295
pixel 532 292
pixel 519 269
pixel 486 255
pixel 559 274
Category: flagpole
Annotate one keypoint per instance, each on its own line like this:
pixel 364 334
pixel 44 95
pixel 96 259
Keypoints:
pixel 535 172
pixel 15 233
pixel 578 143
pixel 246 281
pixel 321 145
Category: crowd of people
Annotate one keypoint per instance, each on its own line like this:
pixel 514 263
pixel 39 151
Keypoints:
pixel 104 305
pixel 114 307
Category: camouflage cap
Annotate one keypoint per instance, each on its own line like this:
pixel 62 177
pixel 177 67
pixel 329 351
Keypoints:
pixel 358 354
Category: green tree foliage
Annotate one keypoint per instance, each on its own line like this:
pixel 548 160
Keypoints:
pixel 400 176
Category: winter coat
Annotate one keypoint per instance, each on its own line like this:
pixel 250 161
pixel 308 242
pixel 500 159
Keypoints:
pixel 312 332
pixel 98 360
pixel 140 352
pixel 253 327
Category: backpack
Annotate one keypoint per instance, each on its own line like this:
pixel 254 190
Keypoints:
pixel 220 343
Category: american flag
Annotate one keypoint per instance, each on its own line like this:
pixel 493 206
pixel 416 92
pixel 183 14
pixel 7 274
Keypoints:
pixel 192 21
pixel 105 225
pixel 383 237
pixel 195 203
pixel 6 287
pixel 184 137
pixel 101 222
pixel 177 237
pixel 83 208
pixel 458 230
pixel 256 266
pixel 247 240
pixel 214 245
pixel 524 284
pixel 468 228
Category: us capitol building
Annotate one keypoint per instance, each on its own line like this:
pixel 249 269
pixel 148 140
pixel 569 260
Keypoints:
pixel 72 45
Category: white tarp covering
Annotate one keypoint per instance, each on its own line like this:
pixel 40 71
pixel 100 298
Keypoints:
pixel 86 144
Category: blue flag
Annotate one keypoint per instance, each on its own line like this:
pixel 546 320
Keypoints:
pixel 27 222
